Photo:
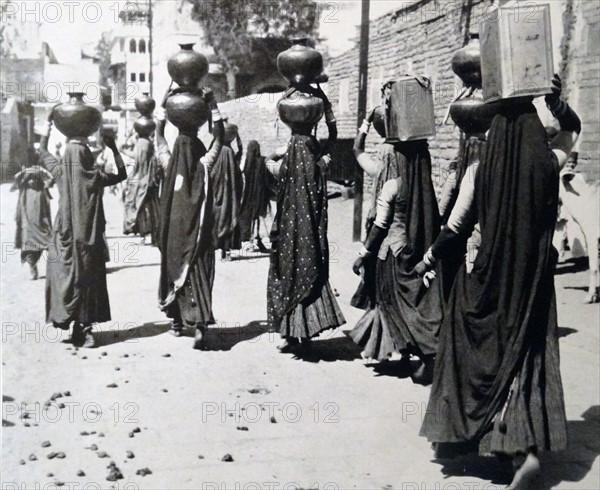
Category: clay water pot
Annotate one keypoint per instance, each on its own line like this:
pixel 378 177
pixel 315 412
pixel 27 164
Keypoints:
pixel 145 105
pixel 187 67
pixel 301 112
pixel 472 115
pixel 187 110
pixel 466 62
pixel 231 132
pixel 300 64
pixel 75 118
pixel 144 126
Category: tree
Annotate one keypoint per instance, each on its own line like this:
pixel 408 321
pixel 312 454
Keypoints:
pixel 103 49
pixel 230 25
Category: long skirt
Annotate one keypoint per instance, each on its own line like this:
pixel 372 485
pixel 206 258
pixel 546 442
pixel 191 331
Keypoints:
pixel 148 217
pixel 309 319
pixel 193 304
pixel 34 222
pixel 533 415
pixel 76 283
pixel 406 316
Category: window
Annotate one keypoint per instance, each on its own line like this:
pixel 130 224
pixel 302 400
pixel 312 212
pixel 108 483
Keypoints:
pixel 132 77
pixel 132 46
pixel 122 44
pixel 142 77
pixel 142 46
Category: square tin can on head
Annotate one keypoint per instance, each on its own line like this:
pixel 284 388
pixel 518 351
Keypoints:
pixel 516 52
pixel 409 109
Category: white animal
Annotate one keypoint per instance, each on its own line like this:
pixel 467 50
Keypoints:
pixel 581 201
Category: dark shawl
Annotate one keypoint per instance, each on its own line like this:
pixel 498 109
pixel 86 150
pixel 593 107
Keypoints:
pixel 471 151
pixel 227 188
pixel 183 204
pixel 412 312
pixel 141 184
pixel 364 296
pixel 255 200
pixel 502 320
pixel 33 217
pixel 76 271
pixel 422 215
pixel 300 262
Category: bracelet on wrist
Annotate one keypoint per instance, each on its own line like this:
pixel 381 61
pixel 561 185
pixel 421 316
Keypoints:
pixel 366 127
pixel 216 115
pixel 557 108
pixel 363 252
pixel 429 259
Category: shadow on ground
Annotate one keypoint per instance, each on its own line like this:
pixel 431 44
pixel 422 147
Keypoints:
pixel 110 270
pixel 572 266
pixel 225 339
pixel 571 465
pixel 566 331
pixel 133 334
pixel 330 350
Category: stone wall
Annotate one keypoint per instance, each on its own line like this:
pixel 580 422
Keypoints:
pixel 256 117
pixel 418 39
pixel 421 39
pixel 583 80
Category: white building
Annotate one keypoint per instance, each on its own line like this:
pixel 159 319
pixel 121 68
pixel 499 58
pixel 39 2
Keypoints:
pixel 130 58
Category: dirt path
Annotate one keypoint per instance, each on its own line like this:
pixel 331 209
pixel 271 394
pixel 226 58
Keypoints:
pixel 328 422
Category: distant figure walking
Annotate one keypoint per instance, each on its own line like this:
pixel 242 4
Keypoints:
pixel 76 289
pixel 142 212
pixel 33 219
pixel 255 199
pixel 228 185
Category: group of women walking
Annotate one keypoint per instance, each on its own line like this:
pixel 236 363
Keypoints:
pixel 485 334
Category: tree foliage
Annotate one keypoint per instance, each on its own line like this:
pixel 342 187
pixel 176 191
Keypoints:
pixel 230 25
pixel 103 49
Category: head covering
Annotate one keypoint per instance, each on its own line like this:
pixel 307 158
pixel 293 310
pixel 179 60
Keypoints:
pixel 228 184
pixel 300 269
pixel 500 330
pixel 139 183
pixel 182 205
pixel 76 274
pixel 255 200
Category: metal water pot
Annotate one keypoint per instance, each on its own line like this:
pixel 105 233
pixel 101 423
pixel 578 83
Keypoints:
pixel 75 118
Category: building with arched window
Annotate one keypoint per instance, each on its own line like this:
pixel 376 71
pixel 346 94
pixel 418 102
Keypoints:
pixel 130 57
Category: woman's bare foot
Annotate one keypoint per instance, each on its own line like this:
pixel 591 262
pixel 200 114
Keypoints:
pixel 527 476
pixel 89 342
pixel 77 336
pixel 200 338
pixel 260 246
pixel 365 357
pixel 176 329
pixel 424 373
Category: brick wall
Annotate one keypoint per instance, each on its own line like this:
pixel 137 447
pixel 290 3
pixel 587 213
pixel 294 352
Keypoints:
pixel 421 39
pixel 584 83
pixel 257 119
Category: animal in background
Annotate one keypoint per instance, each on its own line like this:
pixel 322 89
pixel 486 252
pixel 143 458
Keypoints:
pixel 581 201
